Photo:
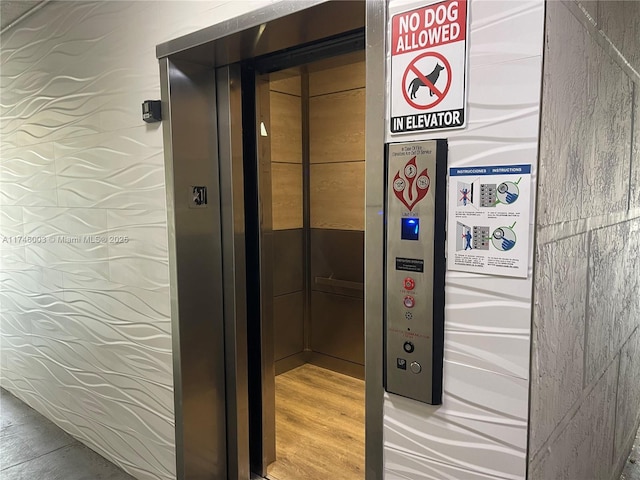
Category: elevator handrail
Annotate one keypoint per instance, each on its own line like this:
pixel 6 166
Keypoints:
pixel 333 282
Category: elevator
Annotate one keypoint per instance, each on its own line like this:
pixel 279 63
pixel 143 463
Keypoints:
pixel 265 147
pixel 309 245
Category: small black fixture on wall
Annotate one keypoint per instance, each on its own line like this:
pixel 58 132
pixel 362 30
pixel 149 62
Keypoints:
pixel 151 111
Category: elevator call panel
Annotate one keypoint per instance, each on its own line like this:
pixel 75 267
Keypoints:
pixel 415 265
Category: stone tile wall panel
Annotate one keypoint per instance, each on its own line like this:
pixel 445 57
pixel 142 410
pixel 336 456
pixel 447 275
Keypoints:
pixel 583 448
pixel 558 334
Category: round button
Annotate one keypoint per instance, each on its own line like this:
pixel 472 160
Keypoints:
pixel 415 367
pixel 409 301
pixel 409 283
pixel 408 347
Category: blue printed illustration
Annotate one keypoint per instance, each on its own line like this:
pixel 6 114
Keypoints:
pixel 474 237
pixel 467 236
pixel 508 192
pixel 463 237
pixel 465 194
pixel 504 238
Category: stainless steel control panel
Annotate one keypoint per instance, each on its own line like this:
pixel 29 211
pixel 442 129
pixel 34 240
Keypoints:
pixel 415 264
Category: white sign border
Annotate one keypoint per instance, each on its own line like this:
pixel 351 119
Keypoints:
pixel 404 8
pixel 523 270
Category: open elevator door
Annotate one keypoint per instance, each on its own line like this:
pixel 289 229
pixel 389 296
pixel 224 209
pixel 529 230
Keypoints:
pixel 254 78
pixel 201 78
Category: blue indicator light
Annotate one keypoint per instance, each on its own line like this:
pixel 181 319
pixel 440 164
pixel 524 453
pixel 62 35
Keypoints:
pixel 410 229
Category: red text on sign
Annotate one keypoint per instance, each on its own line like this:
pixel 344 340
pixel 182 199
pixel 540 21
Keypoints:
pixel 437 24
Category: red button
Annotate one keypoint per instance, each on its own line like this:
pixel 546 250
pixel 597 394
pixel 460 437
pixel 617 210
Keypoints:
pixel 409 301
pixel 409 283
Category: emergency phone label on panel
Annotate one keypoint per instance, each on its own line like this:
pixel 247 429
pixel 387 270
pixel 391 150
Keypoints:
pixel 428 67
pixel 410 264
pixel 489 216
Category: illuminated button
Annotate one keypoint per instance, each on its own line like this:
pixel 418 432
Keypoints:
pixel 408 347
pixel 409 301
pixel 415 367
pixel 409 283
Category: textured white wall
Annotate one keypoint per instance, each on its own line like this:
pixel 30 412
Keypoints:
pixel 85 328
pixel 480 431
pixel 585 387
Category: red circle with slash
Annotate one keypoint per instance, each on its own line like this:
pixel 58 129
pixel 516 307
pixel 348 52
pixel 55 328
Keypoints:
pixel 416 71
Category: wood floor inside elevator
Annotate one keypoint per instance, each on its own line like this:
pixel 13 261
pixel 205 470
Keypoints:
pixel 319 426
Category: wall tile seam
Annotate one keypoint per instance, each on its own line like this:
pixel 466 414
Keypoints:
pixel 11 27
pixel 581 14
pixel 55 174
pixel 632 433
pixel 624 344
pixel 87 207
pixel 472 469
pixel 612 360
pixel 115 285
pixel 612 461
pixel 621 461
pixel 327 164
pixel 285 93
pixel 546 234
pixel 534 344
pixel 534 106
pixel 585 345
pixel 326 94
pixel 565 421
pixel 615 354
pixel 93 209
pixel 287 294
pixel 634 93
pixel 101 132
pixel 4 148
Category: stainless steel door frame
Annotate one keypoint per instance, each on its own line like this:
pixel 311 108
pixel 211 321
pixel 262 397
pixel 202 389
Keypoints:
pixel 376 36
pixel 259 272
pixel 267 454
pixel 231 158
pixel 195 269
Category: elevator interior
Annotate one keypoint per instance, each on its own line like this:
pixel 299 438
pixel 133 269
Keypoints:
pixel 311 188
pixel 316 134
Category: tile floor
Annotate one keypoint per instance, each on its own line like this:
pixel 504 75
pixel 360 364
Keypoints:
pixel 33 448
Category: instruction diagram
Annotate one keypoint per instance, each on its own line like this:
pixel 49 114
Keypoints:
pixel 490 209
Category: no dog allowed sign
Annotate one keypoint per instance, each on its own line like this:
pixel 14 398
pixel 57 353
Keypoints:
pixel 429 67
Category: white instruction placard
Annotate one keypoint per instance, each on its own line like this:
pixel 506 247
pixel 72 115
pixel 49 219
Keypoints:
pixel 488 223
